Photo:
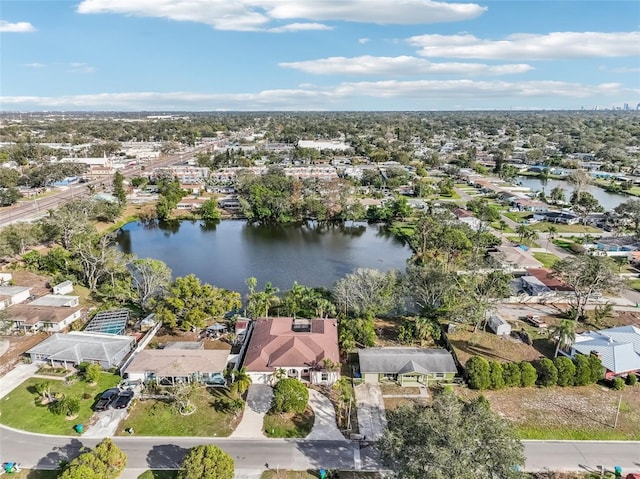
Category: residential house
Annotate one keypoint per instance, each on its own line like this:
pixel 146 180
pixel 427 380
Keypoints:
pixel 305 349
pixel 30 318
pixel 466 217
pixel 546 277
pixel 10 295
pixel 65 287
pixel 179 364
pixel 618 349
pixel 514 259
pixel 406 366
pixel 76 347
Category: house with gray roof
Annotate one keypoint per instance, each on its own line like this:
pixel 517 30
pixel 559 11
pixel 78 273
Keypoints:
pixel 406 366
pixel 618 349
pixel 107 350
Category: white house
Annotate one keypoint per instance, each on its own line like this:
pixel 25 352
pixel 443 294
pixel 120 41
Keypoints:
pixel 10 295
pixel 65 287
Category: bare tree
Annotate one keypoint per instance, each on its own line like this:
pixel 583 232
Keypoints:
pixel 150 278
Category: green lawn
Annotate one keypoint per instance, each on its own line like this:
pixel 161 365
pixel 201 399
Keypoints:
pixel 159 418
pixel 33 474
pixel 288 425
pixel 21 409
pixel 159 474
pixel 517 216
pixel 496 226
pixel 634 284
pixel 547 259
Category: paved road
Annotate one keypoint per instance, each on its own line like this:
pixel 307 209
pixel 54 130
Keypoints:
pixel 32 209
pixel 144 452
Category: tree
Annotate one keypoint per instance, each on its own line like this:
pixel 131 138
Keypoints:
pixel 564 335
pixel 188 304
pixel 427 285
pixel 68 405
pixel 595 368
pixel 97 257
pixel 450 439
pixel 566 371
pixel 260 302
pixel 580 179
pixel 44 390
pixel 9 196
pixel 583 370
pixel 367 291
pixel 478 373
pixel 118 188
pixel 630 211
pixel 290 396
pixel 547 372
pixel 241 381
pixel 584 203
pixel 92 373
pixel 585 275
pixel 209 210
pixel 557 194
pixel 207 462
pixel 150 278
pixel 528 374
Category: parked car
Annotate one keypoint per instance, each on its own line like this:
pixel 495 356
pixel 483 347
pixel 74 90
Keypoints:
pixel 105 399
pixel 123 400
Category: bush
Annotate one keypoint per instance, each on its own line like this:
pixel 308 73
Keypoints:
pixel 495 375
pixel 511 375
pixel 290 395
pixel 566 371
pixel 478 373
pixel 92 373
pixel 583 370
pixel 596 368
pixel 547 372
pixel 528 374
pixel 617 384
pixel 69 406
pixel 632 379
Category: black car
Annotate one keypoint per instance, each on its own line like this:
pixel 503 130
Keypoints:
pixel 123 399
pixel 106 398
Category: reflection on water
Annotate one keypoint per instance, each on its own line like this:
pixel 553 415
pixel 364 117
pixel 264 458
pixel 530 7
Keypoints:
pixel 608 200
pixel 226 253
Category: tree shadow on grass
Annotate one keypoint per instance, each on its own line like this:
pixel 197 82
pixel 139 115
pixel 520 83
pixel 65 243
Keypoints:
pixel 166 456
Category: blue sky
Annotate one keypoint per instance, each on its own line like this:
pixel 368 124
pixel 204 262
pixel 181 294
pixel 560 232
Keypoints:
pixel 208 55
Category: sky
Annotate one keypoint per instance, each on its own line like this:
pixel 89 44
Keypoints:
pixel 266 55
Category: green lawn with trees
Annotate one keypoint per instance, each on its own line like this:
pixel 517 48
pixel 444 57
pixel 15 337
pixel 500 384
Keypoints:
pixel 22 408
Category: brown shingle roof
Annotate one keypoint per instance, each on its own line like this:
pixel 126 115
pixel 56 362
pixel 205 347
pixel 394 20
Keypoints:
pixel 546 277
pixel 30 315
pixel 179 362
pixel 275 345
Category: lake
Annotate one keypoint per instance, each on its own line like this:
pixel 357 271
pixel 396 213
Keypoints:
pixel 608 200
pixel 225 254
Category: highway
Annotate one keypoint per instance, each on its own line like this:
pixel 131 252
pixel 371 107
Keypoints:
pixel 26 210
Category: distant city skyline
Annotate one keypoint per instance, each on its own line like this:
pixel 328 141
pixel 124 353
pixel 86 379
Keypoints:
pixel 269 55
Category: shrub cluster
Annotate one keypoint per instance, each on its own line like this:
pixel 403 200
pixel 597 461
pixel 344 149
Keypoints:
pixel 481 373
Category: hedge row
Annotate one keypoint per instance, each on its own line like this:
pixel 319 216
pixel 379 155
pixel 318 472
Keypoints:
pixel 562 371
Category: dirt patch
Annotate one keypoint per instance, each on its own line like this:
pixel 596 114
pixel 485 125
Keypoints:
pixel 17 346
pixel 391 403
pixel 466 344
pixel 39 284
pixel 572 412
pixel 387 331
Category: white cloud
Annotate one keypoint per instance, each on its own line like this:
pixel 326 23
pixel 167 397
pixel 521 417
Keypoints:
pixel 78 67
pixel 620 69
pixel 399 66
pixel 34 65
pixel 296 27
pixel 248 15
pixel 362 41
pixel 524 46
pixel 17 27
pixel 487 93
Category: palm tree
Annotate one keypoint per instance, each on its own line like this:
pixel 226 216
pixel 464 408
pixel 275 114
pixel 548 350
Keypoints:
pixel 552 230
pixel 502 224
pixel 241 381
pixel 564 334
pixel 523 231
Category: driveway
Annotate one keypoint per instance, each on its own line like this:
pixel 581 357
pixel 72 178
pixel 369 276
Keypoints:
pixel 105 423
pixel 14 378
pixel 371 417
pixel 258 403
pixel 324 427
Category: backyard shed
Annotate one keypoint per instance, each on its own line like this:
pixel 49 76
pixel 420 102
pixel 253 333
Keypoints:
pixel 499 325
pixel 65 287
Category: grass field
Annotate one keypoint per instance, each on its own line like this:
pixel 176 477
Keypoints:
pixel 547 259
pixel 544 227
pixel 21 409
pixel 160 418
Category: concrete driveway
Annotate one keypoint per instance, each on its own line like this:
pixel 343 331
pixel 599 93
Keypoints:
pixel 14 378
pixel 324 426
pixel 371 417
pixel 259 399
pixel 105 423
